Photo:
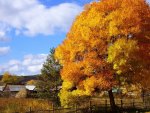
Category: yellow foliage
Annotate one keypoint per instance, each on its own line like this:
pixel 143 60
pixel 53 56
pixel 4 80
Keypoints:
pixel 121 52
pixel 104 41
pixel 8 78
pixel 31 82
pixel 67 85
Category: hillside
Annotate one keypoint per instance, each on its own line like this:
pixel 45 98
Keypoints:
pixel 24 79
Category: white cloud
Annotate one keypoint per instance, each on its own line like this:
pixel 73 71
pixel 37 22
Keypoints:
pixel 3 37
pixel 34 68
pixel 30 65
pixel 34 59
pixel 30 17
pixel 14 68
pixel 3 30
pixel 4 50
pixel 13 62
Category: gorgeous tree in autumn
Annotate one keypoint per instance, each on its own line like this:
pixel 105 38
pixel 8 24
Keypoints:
pixel 110 39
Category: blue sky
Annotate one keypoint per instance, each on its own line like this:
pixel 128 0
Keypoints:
pixel 29 28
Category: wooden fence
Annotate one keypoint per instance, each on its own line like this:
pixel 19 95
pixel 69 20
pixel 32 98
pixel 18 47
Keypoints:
pixel 97 104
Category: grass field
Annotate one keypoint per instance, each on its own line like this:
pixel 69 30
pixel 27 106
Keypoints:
pixel 13 105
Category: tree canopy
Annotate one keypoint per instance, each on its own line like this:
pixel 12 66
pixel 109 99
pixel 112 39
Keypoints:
pixel 10 79
pixel 109 39
pixel 31 82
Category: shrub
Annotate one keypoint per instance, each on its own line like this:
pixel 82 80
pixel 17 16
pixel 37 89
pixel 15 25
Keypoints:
pixel 22 93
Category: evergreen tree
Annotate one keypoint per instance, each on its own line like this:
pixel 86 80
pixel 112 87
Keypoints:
pixel 49 79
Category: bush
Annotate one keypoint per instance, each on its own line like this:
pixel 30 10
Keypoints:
pixel 6 94
pixel 68 98
pixel 22 93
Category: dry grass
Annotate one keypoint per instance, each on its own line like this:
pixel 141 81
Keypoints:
pixel 125 101
pixel 11 105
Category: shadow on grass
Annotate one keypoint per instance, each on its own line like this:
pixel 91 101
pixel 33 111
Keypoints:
pixel 96 109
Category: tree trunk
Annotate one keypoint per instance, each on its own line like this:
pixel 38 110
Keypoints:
pixel 112 102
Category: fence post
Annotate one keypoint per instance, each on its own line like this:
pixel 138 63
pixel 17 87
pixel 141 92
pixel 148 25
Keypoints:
pixel 133 103
pixel 90 106
pixel 75 108
pixel 106 105
pixel 143 94
pixel 121 104
pixel 53 109
pixel 30 110
pixel 145 105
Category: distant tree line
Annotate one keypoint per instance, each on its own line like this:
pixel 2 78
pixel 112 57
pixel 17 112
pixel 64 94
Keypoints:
pixel 9 78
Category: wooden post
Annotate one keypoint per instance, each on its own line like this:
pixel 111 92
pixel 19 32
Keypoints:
pixel 53 109
pixel 133 103
pixel 76 108
pixel 30 110
pixel 106 105
pixel 145 105
pixel 143 94
pixel 121 104
pixel 90 107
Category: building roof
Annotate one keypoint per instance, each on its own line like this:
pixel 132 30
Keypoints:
pixel 1 88
pixel 9 87
pixel 14 87
pixel 30 87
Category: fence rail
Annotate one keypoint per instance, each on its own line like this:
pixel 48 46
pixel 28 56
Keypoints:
pixel 101 104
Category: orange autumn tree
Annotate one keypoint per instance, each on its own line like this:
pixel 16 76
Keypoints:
pixel 110 38
pixel 10 79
